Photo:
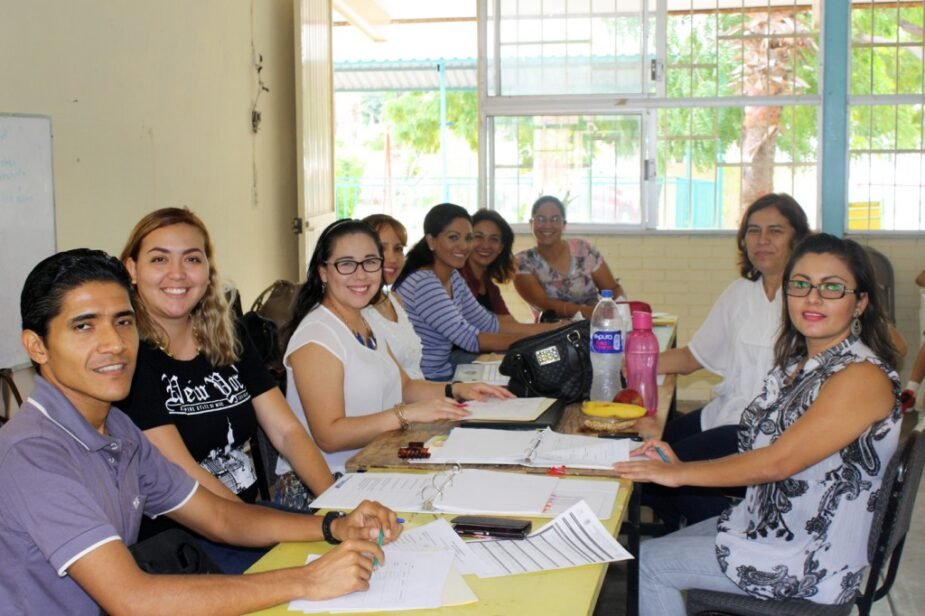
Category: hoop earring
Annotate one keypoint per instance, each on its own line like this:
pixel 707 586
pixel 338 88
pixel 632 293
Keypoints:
pixel 856 326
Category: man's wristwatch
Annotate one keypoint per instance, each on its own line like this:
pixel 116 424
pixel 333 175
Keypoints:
pixel 329 517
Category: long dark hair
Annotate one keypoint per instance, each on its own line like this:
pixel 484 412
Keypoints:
pixel 788 208
pixel 874 329
pixel 438 218
pixel 502 268
pixel 312 292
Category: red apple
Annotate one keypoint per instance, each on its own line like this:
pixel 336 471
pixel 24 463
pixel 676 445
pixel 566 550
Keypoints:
pixel 629 396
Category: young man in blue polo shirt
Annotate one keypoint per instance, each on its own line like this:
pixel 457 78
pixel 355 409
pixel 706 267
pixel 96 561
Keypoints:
pixel 76 476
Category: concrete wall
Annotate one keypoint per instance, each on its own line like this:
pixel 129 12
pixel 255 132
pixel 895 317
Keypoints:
pixel 150 105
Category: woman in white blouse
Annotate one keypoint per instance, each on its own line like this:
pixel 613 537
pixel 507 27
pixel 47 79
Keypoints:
pixel 385 313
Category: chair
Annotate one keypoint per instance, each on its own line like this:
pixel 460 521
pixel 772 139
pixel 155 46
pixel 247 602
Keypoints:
pixel 883 269
pixel 892 517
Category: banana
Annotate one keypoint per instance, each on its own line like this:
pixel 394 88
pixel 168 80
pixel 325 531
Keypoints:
pixel 620 410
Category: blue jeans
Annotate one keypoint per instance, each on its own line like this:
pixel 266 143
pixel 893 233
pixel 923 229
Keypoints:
pixel 684 559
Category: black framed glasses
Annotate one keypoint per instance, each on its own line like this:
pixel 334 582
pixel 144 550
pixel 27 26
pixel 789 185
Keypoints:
pixel 827 290
pixel 349 266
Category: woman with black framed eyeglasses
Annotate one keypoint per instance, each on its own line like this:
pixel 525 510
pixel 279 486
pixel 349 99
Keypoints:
pixel 813 448
pixel 558 275
pixel 344 384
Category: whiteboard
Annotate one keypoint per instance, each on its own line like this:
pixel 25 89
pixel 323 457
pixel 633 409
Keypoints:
pixel 27 218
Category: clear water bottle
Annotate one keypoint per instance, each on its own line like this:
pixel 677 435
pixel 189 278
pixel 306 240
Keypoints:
pixel 642 360
pixel 607 329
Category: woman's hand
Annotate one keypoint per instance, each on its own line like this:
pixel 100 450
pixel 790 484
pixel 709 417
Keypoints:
pixel 437 409
pixel 365 522
pixel 660 464
pixel 480 391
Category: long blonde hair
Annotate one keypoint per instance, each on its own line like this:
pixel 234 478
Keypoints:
pixel 213 322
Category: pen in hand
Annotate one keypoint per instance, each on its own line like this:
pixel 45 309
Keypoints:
pixel 379 543
pixel 661 454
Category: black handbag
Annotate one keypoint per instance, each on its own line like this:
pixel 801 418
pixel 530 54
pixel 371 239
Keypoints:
pixel 555 364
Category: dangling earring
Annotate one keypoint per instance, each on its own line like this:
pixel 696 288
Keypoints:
pixel 323 287
pixel 856 326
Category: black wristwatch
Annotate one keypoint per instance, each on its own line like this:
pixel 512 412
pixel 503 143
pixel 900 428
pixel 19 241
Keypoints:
pixel 329 517
pixel 448 390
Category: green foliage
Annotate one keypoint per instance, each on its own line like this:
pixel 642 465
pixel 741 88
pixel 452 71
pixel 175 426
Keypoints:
pixel 415 118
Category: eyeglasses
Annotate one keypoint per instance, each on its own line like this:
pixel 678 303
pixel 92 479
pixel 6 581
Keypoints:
pixel 827 290
pixel 553 220
pixel 349 266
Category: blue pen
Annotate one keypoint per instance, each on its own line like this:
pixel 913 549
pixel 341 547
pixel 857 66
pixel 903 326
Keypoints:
pixel 400 520
pixel 661 454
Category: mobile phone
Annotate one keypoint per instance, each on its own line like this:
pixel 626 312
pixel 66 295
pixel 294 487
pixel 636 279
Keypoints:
pixel 485 526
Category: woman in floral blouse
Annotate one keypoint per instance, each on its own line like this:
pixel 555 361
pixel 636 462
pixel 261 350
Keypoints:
pixel 558 275
pixel 813 447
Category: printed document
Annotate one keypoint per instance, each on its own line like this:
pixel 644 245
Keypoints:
pixel 574 538
pixel 509 409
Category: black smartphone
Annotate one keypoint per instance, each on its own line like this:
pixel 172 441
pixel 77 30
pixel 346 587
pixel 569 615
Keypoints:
pixel 485 526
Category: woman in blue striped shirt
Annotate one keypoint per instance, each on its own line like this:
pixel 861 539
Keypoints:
pixel 452 325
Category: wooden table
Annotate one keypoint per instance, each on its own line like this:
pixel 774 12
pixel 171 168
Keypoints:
pixel 565 591
pixel 382 454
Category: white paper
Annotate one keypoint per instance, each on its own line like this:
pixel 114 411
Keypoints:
pixel 496 492
pixel 572 539
pixel 526 448
pixel 579 451
pixel 508 409
pixel 464 491
pixel 439 535
pixel 407 580
pixel 598 495
pixel 481 372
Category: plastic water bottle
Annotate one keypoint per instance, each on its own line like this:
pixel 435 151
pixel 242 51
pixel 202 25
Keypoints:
pixel 642 360
pixel 607 329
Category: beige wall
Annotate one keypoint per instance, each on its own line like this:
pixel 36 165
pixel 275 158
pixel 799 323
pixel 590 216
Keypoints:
pixel 684 275
pixel 150 106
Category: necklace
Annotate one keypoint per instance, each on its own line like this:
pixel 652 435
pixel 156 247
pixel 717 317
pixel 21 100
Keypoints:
pixel 165 349
pixel 369 341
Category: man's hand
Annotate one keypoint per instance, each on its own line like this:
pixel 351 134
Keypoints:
pixel 365 521
pixel 345 569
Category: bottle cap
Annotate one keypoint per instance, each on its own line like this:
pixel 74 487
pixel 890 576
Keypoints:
pixel 607 293
pixel 642 320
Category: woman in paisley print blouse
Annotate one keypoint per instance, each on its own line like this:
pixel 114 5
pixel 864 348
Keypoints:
pixel 558 275
pixel 813 447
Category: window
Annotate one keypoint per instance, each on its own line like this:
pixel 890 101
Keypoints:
pixel 886 188
pixel 698 109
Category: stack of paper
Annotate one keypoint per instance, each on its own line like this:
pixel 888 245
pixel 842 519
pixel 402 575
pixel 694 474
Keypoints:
pixel 508 409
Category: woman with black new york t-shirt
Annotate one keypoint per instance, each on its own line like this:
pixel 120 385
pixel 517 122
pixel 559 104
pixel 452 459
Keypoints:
pixel 200 389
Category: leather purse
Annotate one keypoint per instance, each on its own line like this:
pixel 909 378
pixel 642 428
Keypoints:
pixel 555 364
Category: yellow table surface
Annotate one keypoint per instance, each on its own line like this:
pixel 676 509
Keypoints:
pixel 565 591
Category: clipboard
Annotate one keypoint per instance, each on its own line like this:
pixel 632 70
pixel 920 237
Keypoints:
pixel 547 419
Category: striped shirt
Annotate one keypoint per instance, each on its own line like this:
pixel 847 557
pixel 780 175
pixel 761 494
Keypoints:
pixel 443 322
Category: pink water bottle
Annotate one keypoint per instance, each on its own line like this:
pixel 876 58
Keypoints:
pixel 642 360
